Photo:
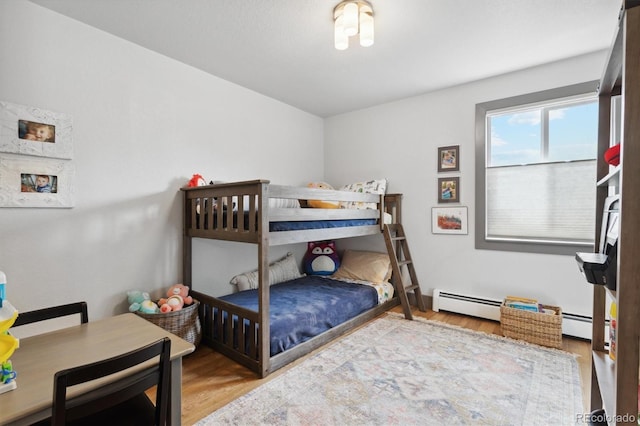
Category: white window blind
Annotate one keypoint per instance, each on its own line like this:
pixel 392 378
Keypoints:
pixel 541 202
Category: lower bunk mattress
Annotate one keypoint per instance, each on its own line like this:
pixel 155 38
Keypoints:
pixel 306 307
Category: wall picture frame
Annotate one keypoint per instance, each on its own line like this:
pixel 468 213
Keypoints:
pixel 36 182
pixel 35 131
pixel 449 190
pixel 449 158
pixel 449 220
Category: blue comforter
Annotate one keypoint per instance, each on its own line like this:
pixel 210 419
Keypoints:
pixel 305 307
pixel 291 226
pixel 318 224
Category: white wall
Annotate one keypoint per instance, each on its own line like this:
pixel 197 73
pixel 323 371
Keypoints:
pixel 399 141
pixel 143 124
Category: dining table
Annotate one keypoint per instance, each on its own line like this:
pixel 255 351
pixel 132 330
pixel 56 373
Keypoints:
pixel 39 357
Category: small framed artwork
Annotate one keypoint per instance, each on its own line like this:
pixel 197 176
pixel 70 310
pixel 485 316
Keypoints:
pixel 36 182
pixel 449 190
pixel 449 158
pixel 34 131
pixel 449 220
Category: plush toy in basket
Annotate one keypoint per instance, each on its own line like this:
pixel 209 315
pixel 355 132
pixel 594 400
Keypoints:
pixel 177 298
pixel 178 314
pixel 139 301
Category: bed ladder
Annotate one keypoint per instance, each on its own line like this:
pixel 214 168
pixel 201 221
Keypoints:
pixel 399 254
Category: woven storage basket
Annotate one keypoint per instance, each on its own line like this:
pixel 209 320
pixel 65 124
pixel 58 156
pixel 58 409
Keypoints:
pixel 533 327
pixel 184 323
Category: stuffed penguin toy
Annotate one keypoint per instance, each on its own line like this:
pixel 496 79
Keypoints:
pixel 321 258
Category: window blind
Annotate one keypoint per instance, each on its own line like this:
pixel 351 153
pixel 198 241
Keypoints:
pixel 558 202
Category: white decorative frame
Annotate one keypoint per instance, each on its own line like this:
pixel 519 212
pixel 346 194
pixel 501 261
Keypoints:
pixel 13 194
pixel 449 220
pixel 13 139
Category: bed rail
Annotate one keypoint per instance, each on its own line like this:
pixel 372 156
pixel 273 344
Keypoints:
pixel 241 211
pixel 220 329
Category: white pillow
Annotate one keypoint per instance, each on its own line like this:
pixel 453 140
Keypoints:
pixel 378 186
pixel 281 270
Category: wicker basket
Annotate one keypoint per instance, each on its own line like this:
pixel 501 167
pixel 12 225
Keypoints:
pixel 184 323
pixel 533 327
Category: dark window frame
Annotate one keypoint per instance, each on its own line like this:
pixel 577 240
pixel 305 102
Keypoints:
pixel 481 242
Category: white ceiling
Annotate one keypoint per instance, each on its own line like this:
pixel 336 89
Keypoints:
pixel 284 48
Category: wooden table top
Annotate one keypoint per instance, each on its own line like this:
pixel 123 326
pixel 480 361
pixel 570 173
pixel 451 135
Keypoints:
pixel 39 357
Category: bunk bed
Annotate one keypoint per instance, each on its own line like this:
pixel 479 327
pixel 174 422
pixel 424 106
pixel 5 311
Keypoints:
pixel 258 212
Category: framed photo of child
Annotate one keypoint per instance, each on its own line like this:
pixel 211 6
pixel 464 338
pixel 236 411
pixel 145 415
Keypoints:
pixel 32 182
pixel 449 158
pixel 36 182
pixel 35 131
pixel 449 190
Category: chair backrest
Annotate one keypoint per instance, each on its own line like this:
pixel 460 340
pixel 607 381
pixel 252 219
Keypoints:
pixel 53 312
pixel 119 391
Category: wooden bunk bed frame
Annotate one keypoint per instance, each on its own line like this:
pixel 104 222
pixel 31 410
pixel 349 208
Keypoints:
pixel 250 347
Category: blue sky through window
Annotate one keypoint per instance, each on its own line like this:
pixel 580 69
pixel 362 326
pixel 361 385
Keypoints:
pixel 516 137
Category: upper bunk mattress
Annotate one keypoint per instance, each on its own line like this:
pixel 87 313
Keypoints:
pixel 305 307
pixel 318 224
pixel 293 225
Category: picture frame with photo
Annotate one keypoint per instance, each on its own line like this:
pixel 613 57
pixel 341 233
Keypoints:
pixel 34 131
pixel 449 158
pixel 449 220
pixel 449 190
pixel 36 182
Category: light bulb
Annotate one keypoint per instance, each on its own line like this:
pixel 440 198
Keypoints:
pixel 350 13
pixel 366 29
pixel 341 41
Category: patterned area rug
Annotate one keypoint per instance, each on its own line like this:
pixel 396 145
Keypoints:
pixel 399 372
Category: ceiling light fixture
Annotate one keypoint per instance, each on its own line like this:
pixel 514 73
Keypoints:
pixel 353 17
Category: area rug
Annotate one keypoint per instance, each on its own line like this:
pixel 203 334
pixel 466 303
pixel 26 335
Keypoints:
pixel 398 372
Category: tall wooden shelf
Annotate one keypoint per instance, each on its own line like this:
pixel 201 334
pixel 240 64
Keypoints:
pixel 614 385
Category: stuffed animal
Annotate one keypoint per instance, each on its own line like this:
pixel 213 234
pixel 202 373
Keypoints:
pixel 321 258
pixel 322 204
pixel 177 297
pixel 172 304
pixel 135 299
pixel 149 307
pixel 196 180
pixel 140 301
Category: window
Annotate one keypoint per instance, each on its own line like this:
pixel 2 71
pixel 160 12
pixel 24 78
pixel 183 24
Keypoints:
pixel 536 171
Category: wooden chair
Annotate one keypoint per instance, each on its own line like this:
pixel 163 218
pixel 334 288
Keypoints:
pixel 123 402
pixel 53 312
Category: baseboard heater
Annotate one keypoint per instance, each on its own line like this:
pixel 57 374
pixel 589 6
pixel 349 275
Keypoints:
pixel 572 324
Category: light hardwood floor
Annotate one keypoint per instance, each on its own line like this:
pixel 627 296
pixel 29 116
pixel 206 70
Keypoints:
pixel 210 380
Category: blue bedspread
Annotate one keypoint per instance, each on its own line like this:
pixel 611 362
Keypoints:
pixel 305 307
pixel 292 226
pixel 318 224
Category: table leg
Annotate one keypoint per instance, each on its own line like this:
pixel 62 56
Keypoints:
pixel 176 392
